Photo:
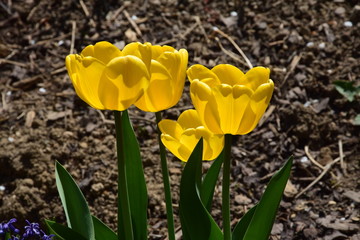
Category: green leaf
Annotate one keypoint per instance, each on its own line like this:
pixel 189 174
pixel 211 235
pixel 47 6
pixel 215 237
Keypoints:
pixel 265 212
pixel 62 232
pixel 76 209
pixel 196 221
pixel 138 197
pixel 243 224
pixel 209 182
pixel 347 89
pixel 102 231
pixel 357 120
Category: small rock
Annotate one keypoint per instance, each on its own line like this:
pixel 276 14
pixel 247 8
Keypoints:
pixel 242 199
pixel 340 11
pixel 348 24
pixel 97 187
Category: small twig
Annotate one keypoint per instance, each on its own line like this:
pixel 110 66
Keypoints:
pixel 341 153
pixel 4 104
pixel 59 70
pixel 73 23
pixel 87 13
pixel 312 159
pixel 104 119
pixel 267 114
pixel 326 169
pixel 230 54
pixel 197 19
pixel 133 23
pixel 236 46
pixel 118 11
pixel 294 62
pixel 3 60
pixel 188 30
pixel 6 8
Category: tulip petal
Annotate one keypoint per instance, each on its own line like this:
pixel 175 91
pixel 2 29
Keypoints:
pixel 257 76
pixel 229 74
pixel 123 82
pixel 203 74
pixel 171 128
pixel 174 146
pixel 85 75
pixel 232 102
pixel 157 50
pixel 103 51
pixel 213 147
pixel 159 94
pixel 205 105
pixel 142 51
pixel 256 108
pixel 189 119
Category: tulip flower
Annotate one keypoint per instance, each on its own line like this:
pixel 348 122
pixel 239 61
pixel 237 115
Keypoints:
pixel 181 136
pixel 167 78
pixel 227 100
pixel 151 77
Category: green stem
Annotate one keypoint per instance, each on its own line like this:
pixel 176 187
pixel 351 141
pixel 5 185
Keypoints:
pixel 124 216
pixel 226 188
pixel 166 181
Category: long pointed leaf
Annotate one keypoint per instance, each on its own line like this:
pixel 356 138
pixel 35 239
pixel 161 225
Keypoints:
pixel 76 209
pixel 62 232
pixel 265 213
pixel 138 197
pixel 209 182
pixel 102 231
pixel 197 223
pixel 243 224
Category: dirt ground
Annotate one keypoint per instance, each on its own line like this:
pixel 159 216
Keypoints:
pixel 307 45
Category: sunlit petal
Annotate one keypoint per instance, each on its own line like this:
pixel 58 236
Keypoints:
pixel 229 74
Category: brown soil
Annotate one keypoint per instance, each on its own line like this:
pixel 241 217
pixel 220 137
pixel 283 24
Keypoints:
pixel 306 45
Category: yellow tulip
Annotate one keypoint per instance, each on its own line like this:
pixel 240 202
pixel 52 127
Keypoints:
pixel 227 100
pixel 108 78
pixel 168 73
pixel 181 136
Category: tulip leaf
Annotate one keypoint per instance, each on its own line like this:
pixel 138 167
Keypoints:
pixel 243 224
pixel 73 201
pixel 264 216
pixel 102 231
pixel 62 232
pixel 209 182
pixel 196 221
pixel 137 191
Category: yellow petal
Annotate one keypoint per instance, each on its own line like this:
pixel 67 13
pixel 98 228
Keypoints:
pixel 203 74
pixel 213 147
pixel 228 74
pixel 103 51
pixel 123 82
pixel 257 76
pixel 256 108
pixel 142 51
pixel 206 106
pixel 189 119
pixel 171 128
pixel 157 50
pixel 232 103
pixel 159 94
pixel 85 75
pixel 174 146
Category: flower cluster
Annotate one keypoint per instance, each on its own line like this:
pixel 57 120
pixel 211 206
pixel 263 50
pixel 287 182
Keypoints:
pixel 32 231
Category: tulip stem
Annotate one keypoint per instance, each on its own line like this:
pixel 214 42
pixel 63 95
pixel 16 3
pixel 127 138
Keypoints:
pixel 124 217
pixel 166 181
pixel 226 188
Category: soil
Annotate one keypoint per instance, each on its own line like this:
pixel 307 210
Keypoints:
pixel 307 45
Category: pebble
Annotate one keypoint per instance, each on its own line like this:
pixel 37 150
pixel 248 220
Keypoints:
pixel 339 11
pixel 42 90
pixel 233 14
pixel 97 187
pixel 310 44
pixel 348 24
pixel 322 45
pixel 11 139
pixel 304 159
pixel 2 188
pixel 8 93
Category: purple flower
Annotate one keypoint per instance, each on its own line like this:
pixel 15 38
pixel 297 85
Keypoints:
pixel 32 229
pixel 9 227
pixel 46 237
